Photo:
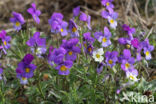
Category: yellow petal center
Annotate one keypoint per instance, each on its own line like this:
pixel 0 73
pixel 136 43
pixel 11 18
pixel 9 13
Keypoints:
pixel 27 70
pixel 97 55
pixel 61 30
pixel 147 53
pixel 63 68
pixel 17 24
pixel 74 29
pixel 70 53
pixel 128 46
pixel 127 65
pixel 111 21
pixel 5 43
pixel 104 40
pixel 131 77
pixel 23 78
pixel 90 49
pixel 107 3
pixel 110 62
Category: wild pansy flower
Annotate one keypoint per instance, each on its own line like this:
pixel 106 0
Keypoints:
pixel 113 22
pixel 138 56
pixel 132 75
pixel 87 37
pixel 98 34
pixel 135 43
pixel 71 47
pixel 89 49
pixel 97 55
pixel 37 44
pixel 122 40
pixel 34 12
pixel 110 14
pixel 129 30
pixel 63 29
pixel 129 41
pixel 126 60
pixel 25 69
pixel 100 68
pixel 147 49
pixel 85 18
pixel 73 29
pixel 105 38
pixel 1 71
pixel 55 21
pixel 105 14
pixel 5 39
pixel 63 68
pixel 57 56
pixel 111 58
pixel 57 24
pixel 88 43
pixel 76 11
pixel 17 20
pixel 108 4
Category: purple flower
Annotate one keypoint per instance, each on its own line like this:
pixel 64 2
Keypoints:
pixel 73 29
pixel 113 22
pixel 57 56
pixel 100 68
pixel 97 35
pixel 25 69
pixel 105 38
pixel 107 3
pixel 35 13
pixel 37 44
pixel 1 71
pixel 122 41
pixel 129 30
pixel 5 39
pixel 132 74
pixel 71 48
pixel 63 29
pixel 147 52
pixel 76 11
pixel 17 20
pixel 57 24
pixel 83 17
pixel 126 60
pixel 147 49
pixel 111 58
pixel 105 14
pixel 89 49
pixel 87 37
pixel 88 43
pixel 135 43
pixel 118 91
pixel 63 68
pixel 138 56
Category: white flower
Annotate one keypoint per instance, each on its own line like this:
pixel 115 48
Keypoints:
pixel 97 55
pixel 113 23
pixel 148 55
pixel 131 76
pixel 23 80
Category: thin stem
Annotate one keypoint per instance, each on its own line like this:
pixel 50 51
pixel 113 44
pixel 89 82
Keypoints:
pixel 39 84
pixel 2 95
